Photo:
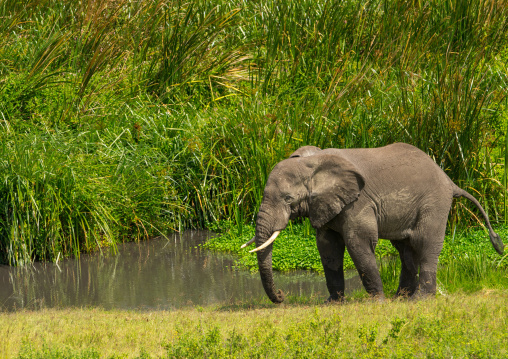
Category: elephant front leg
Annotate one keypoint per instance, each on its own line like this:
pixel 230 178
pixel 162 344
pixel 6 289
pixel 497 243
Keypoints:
pixel 331 249
pixel 358 228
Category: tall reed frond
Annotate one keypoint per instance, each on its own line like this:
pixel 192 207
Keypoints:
pixel 170 114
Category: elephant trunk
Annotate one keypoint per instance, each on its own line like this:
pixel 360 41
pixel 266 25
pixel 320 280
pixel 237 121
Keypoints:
pixel 266 272
pixel 265 233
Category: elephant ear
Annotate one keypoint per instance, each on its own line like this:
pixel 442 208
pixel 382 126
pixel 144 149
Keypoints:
pixel 305 151
pixel 335 183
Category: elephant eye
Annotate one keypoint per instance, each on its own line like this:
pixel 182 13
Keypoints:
pixel 288 198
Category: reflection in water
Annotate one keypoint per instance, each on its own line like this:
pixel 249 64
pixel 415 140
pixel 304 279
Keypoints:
pixel 155 274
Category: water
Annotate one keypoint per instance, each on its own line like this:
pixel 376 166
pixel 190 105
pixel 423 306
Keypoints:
pixel 155 274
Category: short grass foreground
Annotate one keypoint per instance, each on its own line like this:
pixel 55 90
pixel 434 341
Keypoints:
pixel 459 326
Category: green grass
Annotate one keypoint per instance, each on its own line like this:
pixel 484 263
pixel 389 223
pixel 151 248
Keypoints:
pixel 120 120
pixel 449 326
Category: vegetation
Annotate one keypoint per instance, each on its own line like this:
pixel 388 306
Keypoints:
pixel 450 326
pixel 123 119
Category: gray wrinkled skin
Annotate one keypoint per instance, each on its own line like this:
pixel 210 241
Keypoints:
pixel 355 196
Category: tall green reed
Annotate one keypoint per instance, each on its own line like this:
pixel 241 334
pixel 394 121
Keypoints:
pixel 473 272
pixel 64 194
pixel 189 39
pixel 186 106
pixel 43 212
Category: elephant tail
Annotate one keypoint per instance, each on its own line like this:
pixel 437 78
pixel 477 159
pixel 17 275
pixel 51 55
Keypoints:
pixel 494 237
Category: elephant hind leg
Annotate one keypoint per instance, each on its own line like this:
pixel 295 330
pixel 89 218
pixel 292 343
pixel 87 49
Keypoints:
pixel 427 279
pixel 428 245
pixel 408 281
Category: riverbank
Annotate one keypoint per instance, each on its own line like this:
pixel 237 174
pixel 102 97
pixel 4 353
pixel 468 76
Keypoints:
pixel 448 326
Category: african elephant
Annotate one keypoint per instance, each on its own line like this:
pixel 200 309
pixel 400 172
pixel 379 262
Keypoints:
pixel 353 197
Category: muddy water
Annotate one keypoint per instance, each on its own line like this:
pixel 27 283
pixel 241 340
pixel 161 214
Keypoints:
pixel 155 274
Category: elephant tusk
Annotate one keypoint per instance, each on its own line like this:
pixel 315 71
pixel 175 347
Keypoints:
pixel 267 243
pixel 248 243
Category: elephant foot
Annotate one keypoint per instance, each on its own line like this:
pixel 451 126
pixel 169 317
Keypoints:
pixel 331 300
pixel 334 299
pixel 404 293
pixel 426 286
pixel 380 297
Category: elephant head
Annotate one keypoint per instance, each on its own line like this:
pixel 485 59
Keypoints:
pixel 311 183
pixel 305 151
